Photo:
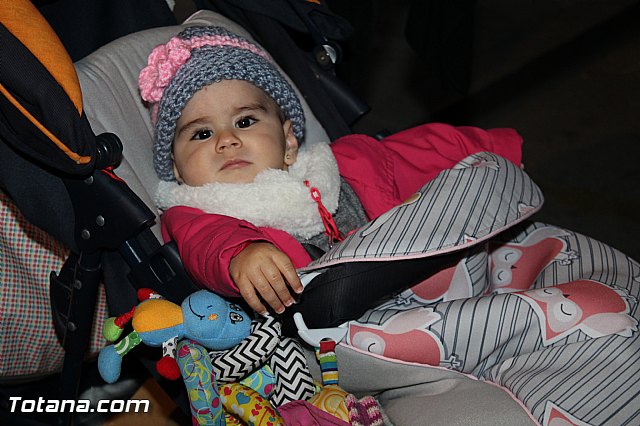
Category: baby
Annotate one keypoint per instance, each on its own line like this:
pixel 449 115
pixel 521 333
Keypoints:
pixel 245 201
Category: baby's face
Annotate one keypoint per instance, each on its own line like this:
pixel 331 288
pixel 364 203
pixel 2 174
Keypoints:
pixel 229 132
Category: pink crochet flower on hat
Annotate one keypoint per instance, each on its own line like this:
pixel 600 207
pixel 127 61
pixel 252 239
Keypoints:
pixel 164 61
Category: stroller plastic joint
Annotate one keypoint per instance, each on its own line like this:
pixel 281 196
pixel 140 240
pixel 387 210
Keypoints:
pixel 106 210
pixel 108 150
pixel 327 55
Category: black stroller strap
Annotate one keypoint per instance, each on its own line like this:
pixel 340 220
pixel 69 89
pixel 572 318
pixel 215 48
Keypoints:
pixel 374 281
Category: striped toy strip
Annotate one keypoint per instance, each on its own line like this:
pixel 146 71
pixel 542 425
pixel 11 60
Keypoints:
pixel 328 362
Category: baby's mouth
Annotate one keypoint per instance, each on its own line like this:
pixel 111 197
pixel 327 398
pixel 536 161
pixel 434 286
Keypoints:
pixel 234 164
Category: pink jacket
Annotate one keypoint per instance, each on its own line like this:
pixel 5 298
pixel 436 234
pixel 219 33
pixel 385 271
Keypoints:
pixel 382 174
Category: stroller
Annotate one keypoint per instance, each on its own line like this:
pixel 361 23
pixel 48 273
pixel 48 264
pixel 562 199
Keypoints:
pixel 489 348
pixel 73 176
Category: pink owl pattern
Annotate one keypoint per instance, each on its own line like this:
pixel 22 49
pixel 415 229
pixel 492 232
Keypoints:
pixel 589 306
pixel 450 283
pixel 404 336
pixel 515 266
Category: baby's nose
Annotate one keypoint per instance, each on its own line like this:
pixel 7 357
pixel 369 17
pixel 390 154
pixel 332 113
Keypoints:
pixel 227 139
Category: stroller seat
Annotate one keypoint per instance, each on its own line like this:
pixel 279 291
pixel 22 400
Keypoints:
pixel 111 103
pixel 410 390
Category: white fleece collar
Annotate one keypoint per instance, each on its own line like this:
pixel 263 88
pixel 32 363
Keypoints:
pixel 276 198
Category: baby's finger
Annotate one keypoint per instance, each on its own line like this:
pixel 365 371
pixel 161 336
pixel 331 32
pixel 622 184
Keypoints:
pixel 278 284
pixel 267 292
pixel 290 274
pixel 249 295
pixel 288 271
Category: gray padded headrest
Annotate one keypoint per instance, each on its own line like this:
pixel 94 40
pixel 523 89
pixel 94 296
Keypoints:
pixel 108 78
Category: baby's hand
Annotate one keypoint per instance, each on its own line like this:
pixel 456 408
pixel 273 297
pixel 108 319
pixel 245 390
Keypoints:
pixel 261 271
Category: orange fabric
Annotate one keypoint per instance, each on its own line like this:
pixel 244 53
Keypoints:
pixel 80 159
pixel 26 23
pixel 156 314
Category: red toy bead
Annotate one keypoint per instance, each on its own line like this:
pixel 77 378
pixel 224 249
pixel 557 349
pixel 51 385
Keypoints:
pixel 168 368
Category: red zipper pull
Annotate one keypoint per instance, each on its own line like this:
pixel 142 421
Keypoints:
pixel 330 227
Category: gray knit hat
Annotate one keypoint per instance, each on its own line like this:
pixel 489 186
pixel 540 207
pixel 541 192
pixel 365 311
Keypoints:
pixel 198 57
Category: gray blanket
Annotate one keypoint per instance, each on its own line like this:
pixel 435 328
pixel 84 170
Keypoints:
pixel 535 323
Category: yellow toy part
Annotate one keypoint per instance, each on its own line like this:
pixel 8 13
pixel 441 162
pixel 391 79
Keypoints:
pixel 331 399
pixel 247 405
pixel 232 420
pixel 156 314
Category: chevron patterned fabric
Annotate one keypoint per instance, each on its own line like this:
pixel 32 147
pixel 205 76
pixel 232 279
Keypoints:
pixel 266 345
pixel 249 355
pixel 293 378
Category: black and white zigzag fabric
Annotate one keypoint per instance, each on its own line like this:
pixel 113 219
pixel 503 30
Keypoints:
pixel 249 355
pixel 293 378
pixel 266 345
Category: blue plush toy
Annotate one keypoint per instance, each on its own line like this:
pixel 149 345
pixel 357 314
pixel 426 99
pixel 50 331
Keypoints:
pixel 203 316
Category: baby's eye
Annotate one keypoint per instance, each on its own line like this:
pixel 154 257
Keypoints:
pixel 202 134
pixel 245 122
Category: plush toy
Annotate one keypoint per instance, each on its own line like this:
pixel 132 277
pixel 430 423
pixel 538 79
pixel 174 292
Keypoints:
pixel 243 404
pixel 263 371
pixel 270 368
pixel 203 316
pixel 252 368
pixel 332 399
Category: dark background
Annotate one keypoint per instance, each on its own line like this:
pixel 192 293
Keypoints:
pixel 565 75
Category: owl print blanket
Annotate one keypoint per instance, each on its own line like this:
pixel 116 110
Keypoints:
pixel 546 315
